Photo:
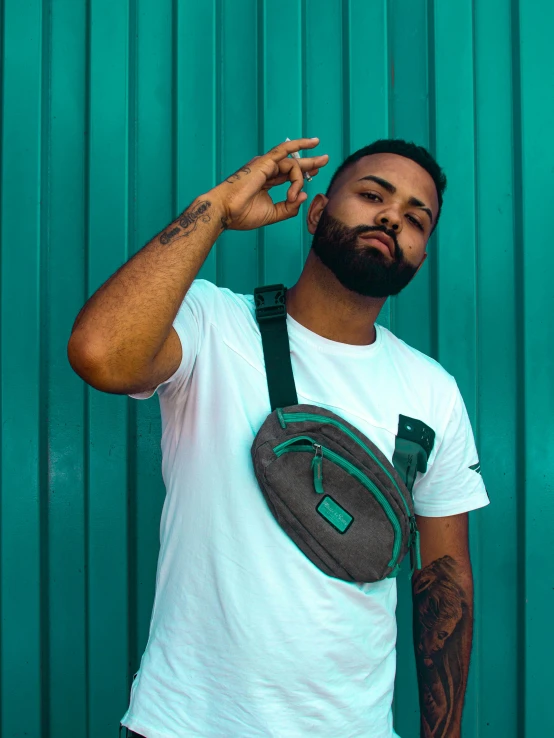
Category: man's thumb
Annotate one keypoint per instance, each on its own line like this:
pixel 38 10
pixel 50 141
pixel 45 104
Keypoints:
pixel 285 210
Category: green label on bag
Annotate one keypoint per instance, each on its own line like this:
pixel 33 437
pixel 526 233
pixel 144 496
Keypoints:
pixel 334 514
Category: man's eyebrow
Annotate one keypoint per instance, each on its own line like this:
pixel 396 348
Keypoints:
pixel 383 182
pixel 389 187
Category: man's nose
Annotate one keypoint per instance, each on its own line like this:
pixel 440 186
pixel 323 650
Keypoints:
pixel 390 220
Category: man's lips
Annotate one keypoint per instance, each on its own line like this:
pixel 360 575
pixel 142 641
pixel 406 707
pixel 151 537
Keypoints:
pixel 381 238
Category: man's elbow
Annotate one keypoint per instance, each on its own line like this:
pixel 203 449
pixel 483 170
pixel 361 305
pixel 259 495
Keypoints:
pixel 89 359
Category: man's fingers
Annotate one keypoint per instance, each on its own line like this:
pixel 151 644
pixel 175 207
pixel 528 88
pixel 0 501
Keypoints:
pixel 277 167
pixel 296 177
pixel 282 150
pixel 288 171
pixel 286 209
pixel 281 179
pixel 313 162
pixel 308 165
pixel 239 191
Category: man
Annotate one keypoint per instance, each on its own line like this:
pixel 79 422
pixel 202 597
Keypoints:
pixel 248 638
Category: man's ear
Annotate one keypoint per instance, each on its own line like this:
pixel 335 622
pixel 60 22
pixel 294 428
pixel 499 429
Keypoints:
pixel 317 206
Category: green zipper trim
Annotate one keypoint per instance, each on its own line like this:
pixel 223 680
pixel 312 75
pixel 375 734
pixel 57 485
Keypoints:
pixel 301 417
pixel 291 441
pixel 285 447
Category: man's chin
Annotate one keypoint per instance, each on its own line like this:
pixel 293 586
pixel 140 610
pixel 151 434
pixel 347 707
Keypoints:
pixel 364 260
pixel 379 288
pixel 363 290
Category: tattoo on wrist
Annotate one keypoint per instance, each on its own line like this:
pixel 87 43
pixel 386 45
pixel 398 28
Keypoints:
pixel 188 222
pixel 224 222
pixel 442 637
pixel 237 175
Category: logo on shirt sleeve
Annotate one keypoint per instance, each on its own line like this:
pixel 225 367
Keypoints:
pixel 476 468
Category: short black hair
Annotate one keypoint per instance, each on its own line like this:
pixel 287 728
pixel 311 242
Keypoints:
pixel 403 148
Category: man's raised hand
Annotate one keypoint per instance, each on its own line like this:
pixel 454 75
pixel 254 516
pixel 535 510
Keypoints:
pixel 243 198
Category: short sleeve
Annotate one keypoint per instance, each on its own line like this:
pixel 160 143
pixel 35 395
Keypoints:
pixel 453 483
pixel 189 325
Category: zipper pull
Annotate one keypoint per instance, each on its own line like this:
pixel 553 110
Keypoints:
pixel 317 468
pixel 415 550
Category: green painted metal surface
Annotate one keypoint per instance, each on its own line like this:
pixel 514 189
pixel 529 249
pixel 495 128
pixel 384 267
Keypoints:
pixel 114 116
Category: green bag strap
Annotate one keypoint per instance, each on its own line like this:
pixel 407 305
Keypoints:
pixel 271 314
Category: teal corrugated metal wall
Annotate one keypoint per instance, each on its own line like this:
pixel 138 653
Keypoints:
pixel 115 116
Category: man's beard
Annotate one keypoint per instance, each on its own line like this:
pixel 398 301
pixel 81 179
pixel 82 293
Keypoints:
pixel 361 269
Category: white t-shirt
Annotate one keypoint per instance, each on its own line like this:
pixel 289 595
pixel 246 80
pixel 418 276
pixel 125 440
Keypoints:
pixel 248 638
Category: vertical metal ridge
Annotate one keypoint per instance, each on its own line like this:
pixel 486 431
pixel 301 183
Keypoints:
pixel 44 375
pixel 2 51
pixel 389 88
pixel 131 429
pixel 303 64
pixel 476 211
pixel 260 88
pixel 346 91
pixel 86 389
pixel 218 107
pixel 520 440
pixel 216 163
pixel 175 107
pixel 132 132
pixel 434 264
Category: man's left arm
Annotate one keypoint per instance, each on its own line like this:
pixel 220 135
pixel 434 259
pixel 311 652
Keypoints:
pixel 443 623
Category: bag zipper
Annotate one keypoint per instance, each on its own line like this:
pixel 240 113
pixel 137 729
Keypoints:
pixel 301 417
pixel 285 418
pixel 323 452
pixel 317 468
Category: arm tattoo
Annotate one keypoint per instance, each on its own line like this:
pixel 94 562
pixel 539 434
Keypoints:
pixel 166 237
pixel 236 176
pixel 442 640
pixel 188 222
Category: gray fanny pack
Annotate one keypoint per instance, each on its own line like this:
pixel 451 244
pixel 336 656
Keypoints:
pixel 330 488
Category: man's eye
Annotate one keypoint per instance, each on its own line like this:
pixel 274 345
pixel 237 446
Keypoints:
pixel 371 196
pixel 416 222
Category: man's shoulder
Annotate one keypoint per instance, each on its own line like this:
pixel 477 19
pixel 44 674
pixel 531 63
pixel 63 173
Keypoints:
pixel 209 295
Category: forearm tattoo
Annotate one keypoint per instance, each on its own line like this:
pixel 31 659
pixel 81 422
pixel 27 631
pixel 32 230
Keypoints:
pixel 443 618
pixel 188 222
pixel 237 175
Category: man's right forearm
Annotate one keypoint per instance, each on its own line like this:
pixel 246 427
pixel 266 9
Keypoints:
pixel 125 323
pixel 122 338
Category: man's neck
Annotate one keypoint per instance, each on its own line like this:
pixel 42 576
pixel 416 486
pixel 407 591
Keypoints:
pixel 321 304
